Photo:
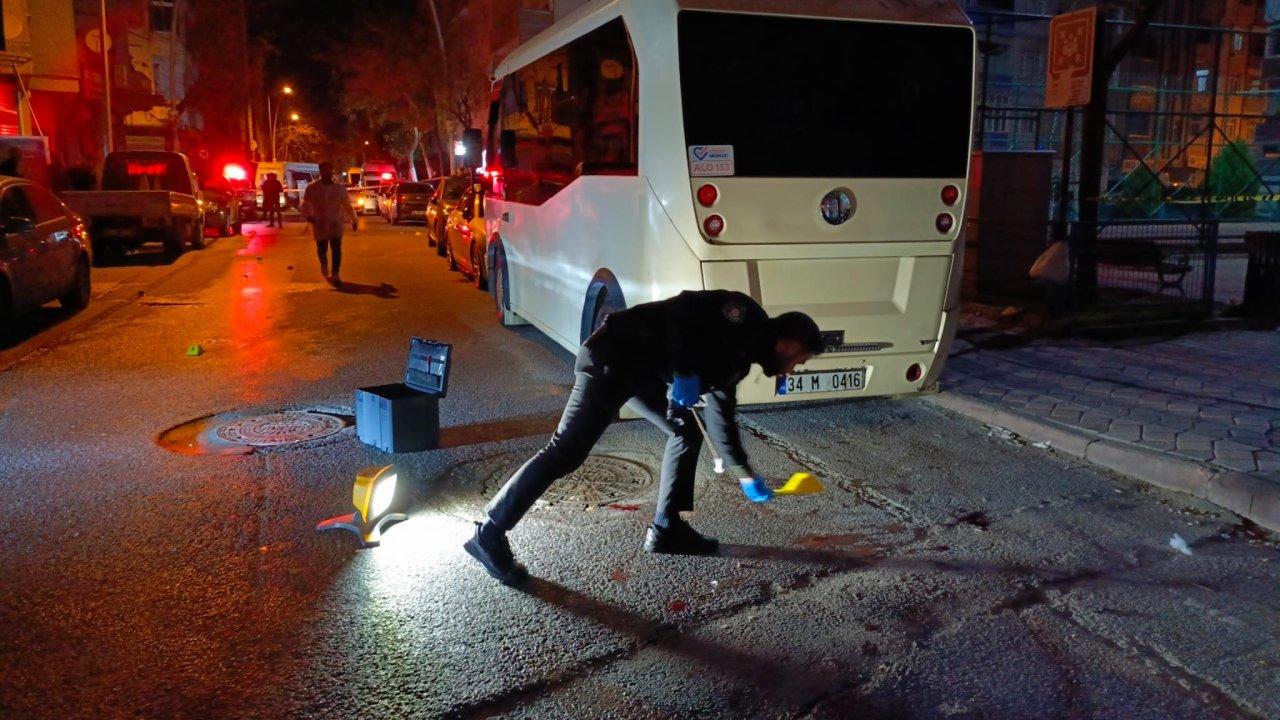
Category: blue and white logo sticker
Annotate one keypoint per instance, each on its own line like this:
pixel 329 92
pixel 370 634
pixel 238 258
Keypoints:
pixel 710 160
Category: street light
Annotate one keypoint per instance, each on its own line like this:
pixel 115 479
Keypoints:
pixel 272 117
pixel 293 117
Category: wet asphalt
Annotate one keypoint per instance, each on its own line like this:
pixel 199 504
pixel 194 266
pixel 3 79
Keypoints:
pixel 948 572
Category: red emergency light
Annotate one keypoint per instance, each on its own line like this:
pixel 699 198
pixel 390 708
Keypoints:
pixel 147 168
pixel 235 171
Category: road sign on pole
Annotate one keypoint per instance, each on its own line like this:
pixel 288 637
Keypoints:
pixel 1070 66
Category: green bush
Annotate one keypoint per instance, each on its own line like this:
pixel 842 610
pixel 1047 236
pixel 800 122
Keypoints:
pixel 1138 195
pixel 1234 172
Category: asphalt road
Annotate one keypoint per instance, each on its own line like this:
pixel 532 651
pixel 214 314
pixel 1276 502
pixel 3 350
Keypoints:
pixel 948 571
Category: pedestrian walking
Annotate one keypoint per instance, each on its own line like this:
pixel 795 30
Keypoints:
pixel 271 191
pixel 660 359
pixel 326 205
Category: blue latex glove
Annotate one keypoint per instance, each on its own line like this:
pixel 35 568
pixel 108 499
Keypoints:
pixel 686 390
pixel 755 489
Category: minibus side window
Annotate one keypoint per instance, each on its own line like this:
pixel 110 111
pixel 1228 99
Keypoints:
pixel 573 113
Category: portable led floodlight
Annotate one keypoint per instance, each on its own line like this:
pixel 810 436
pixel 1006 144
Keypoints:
pixel 372 494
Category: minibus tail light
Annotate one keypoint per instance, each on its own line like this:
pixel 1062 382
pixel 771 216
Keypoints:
pixel 714 225
pixel 707 195
pixel 914 372
pixel 944 223
pixel 950 194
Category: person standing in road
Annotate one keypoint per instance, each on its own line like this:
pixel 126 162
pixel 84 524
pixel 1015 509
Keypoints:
pixel 271 191
pixel 660 359
pixel 327 206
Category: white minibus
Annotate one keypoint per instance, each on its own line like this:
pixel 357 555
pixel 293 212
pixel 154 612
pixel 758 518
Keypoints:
pixel 813 154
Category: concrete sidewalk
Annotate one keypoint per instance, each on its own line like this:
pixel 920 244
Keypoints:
pixel 1199 413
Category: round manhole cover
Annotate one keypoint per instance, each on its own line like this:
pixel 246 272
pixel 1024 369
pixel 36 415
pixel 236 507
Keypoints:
pixel 603 482
pixel 282 428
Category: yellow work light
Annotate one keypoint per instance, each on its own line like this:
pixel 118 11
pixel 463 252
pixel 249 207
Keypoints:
pixel 372 494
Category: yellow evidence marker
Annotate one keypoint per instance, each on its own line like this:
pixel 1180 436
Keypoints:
pixel 801 483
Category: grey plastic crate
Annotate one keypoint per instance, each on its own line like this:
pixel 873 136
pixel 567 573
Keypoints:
pixel 395 418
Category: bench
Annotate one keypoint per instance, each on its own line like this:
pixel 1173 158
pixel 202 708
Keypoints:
pixel 1170 264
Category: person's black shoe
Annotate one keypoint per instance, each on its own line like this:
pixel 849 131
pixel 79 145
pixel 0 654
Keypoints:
pixel 494 552
pixel 679 539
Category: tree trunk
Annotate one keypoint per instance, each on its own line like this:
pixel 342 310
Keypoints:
pixel 413 152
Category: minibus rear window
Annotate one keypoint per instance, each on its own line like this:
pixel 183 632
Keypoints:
pixel 800 97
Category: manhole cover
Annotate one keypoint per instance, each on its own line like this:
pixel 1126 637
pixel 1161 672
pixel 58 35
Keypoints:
pixel 282 428
pixel 602 479
pixel 603 483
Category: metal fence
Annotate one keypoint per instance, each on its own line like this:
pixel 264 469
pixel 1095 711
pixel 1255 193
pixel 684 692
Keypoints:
pixel 1187 163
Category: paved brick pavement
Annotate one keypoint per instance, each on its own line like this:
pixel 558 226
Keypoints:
pixel 1210 397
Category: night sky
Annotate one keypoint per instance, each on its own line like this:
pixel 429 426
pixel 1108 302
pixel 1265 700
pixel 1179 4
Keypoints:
pixel 309 37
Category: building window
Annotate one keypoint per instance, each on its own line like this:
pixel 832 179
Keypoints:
pixel 161 15
pixel 160 74
pixel 1202 81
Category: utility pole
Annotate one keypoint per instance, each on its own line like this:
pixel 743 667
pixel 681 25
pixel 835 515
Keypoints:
pixel 106 76
pixel 444 66
pixel 1093 136
pixel 173 84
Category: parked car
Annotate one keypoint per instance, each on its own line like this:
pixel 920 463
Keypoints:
pixel 386 196
pixel 44 251
pixel 446 196
pixel 410 201
pixel 466 242
pixel 145 196
pixel 221 205
pixel 364 200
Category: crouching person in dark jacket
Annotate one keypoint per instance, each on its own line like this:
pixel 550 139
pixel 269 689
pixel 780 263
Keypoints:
pixel 660 359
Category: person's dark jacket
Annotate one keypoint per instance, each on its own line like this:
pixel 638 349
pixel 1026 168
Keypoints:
pixel 271 190
pixel 714 334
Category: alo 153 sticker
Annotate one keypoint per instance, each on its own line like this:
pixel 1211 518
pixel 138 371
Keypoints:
pixel 710 160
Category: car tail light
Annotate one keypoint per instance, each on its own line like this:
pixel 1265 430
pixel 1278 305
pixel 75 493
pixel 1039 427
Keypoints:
pixel 714 225
pixel 707 195
pixel 944 223
pixel 914 372
pixel 79 232
pixel 950 194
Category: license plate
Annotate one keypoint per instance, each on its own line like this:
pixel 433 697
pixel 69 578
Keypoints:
pixel 418 212
pixel 820 382
pixel 117 232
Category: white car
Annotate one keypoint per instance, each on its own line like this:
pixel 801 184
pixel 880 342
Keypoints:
pixel 365 200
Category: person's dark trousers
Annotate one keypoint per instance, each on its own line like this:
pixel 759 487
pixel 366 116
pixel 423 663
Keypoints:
pixel 679 459
pixel 273 215
pixel 593 404
pixel 325 247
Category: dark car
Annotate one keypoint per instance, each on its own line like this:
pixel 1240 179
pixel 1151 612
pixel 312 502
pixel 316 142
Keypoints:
pixel 44 251
pixel 221 203
pixel 447 194
pixel 410 201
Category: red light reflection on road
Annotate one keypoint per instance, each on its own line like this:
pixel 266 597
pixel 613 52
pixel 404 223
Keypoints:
pixel 255 343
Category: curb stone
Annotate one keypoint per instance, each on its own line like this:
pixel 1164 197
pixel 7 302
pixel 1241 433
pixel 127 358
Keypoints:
pixel 1246 495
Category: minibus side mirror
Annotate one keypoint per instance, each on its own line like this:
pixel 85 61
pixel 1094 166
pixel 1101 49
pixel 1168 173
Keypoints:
pixel 507 148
